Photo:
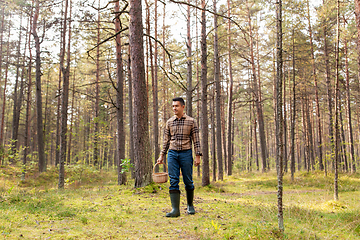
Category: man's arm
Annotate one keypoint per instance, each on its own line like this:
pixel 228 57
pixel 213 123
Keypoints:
pixel 166 143
pixel 196 140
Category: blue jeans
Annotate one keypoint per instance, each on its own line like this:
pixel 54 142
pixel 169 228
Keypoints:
pixel 180 160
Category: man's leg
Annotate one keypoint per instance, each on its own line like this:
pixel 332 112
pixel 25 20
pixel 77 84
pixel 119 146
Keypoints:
pixel 174 172
pixel 174 169
pixel 186 164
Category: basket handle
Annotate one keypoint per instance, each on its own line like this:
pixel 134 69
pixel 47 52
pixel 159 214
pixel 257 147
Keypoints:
pixel 158 164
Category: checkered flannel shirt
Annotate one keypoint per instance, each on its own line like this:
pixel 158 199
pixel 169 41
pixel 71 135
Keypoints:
pixel 179 133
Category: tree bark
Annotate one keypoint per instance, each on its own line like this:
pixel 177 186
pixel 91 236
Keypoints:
pixel 357 20
pixel 218 98
pixel 1 61
pixel 131 123
pixel 39 122
pixel 310 138
pixel 318 117
pixel 348 101
pixel 293 115
pixel 343 160
pixel 279 117
pixel 204 118
pixel 189 64
pixel 65 95
pixel 28 104
pixel 16 98
pixel 97 93
pixel 68 159
pixel 2 126
pixel 58 110
pixel 155 90
pixel 328 87
pixel 213 136
pixel 119 101
pixel 256 92
pixel 230 99
pixel 140 112
pixel 1 39
pixel 337 132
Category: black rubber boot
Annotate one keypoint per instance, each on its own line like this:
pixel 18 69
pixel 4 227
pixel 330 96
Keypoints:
pixel 190 200
pixel 175 203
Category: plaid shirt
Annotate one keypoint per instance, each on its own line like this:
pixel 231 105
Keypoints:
pixel 179 133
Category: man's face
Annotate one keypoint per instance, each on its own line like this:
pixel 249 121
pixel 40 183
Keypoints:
pixel 178 108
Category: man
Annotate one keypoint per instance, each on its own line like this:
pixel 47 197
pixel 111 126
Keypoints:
pixel 180 131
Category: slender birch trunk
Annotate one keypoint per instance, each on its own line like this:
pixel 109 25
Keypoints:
pixel 279 119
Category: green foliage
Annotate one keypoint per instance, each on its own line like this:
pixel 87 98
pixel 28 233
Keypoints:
pixel 126 165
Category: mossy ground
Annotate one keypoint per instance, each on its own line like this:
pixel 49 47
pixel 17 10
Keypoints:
pixel 243 206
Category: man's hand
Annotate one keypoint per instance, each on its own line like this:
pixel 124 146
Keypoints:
pixel 160 159
pixel 197 160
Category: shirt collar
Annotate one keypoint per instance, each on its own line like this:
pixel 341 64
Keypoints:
pixel 183 117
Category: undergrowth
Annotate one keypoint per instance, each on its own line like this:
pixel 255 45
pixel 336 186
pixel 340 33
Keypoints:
pixel 93 206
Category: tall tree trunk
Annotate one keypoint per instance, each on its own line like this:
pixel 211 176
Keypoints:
pixel 251 154
pixel 204 119
pixel 155 90
pixel 1 39
pixel 318 117
pixel 230 99
pixel 279 117
pixel 337 132
pixel 218 98
pixel 16 98
pixel 197 77
pixel 344 160
pixel 68 161
pixel 39 120
pixel 131 123
pixel 285 122
pixel 97 93
pixel 305 136
pixel 293 115
pixel 58 110
pixel 357 19
pixel 213 136
pixel 119 101
pixel 256 92
pixel 189 64
pixel 348 101
pixel 310 138
pixel 28 104
pixel 65 95
pixel 255 138
pixel 2 124
pixel 1 61
pixel 140 113
pixel 328 87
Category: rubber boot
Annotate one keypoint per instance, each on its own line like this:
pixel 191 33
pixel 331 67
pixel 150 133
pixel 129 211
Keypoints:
pixel 190 200
pixel 175 203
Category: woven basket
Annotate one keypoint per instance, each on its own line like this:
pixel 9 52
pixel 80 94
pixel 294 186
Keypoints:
pixel 160 177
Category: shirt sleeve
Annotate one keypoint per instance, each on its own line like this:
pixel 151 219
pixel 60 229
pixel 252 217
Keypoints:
pixel 167 137
pixel 196 139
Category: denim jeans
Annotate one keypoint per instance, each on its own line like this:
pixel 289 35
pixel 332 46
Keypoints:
pixel 180 160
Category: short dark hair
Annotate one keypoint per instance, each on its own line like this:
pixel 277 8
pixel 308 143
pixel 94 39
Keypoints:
pixel 179 99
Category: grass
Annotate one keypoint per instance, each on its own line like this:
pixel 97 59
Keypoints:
pixel 241 207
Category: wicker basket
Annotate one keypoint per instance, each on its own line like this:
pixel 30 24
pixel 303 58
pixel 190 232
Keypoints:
pixel 160 177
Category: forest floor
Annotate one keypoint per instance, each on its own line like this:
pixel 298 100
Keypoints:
pixel 243 206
